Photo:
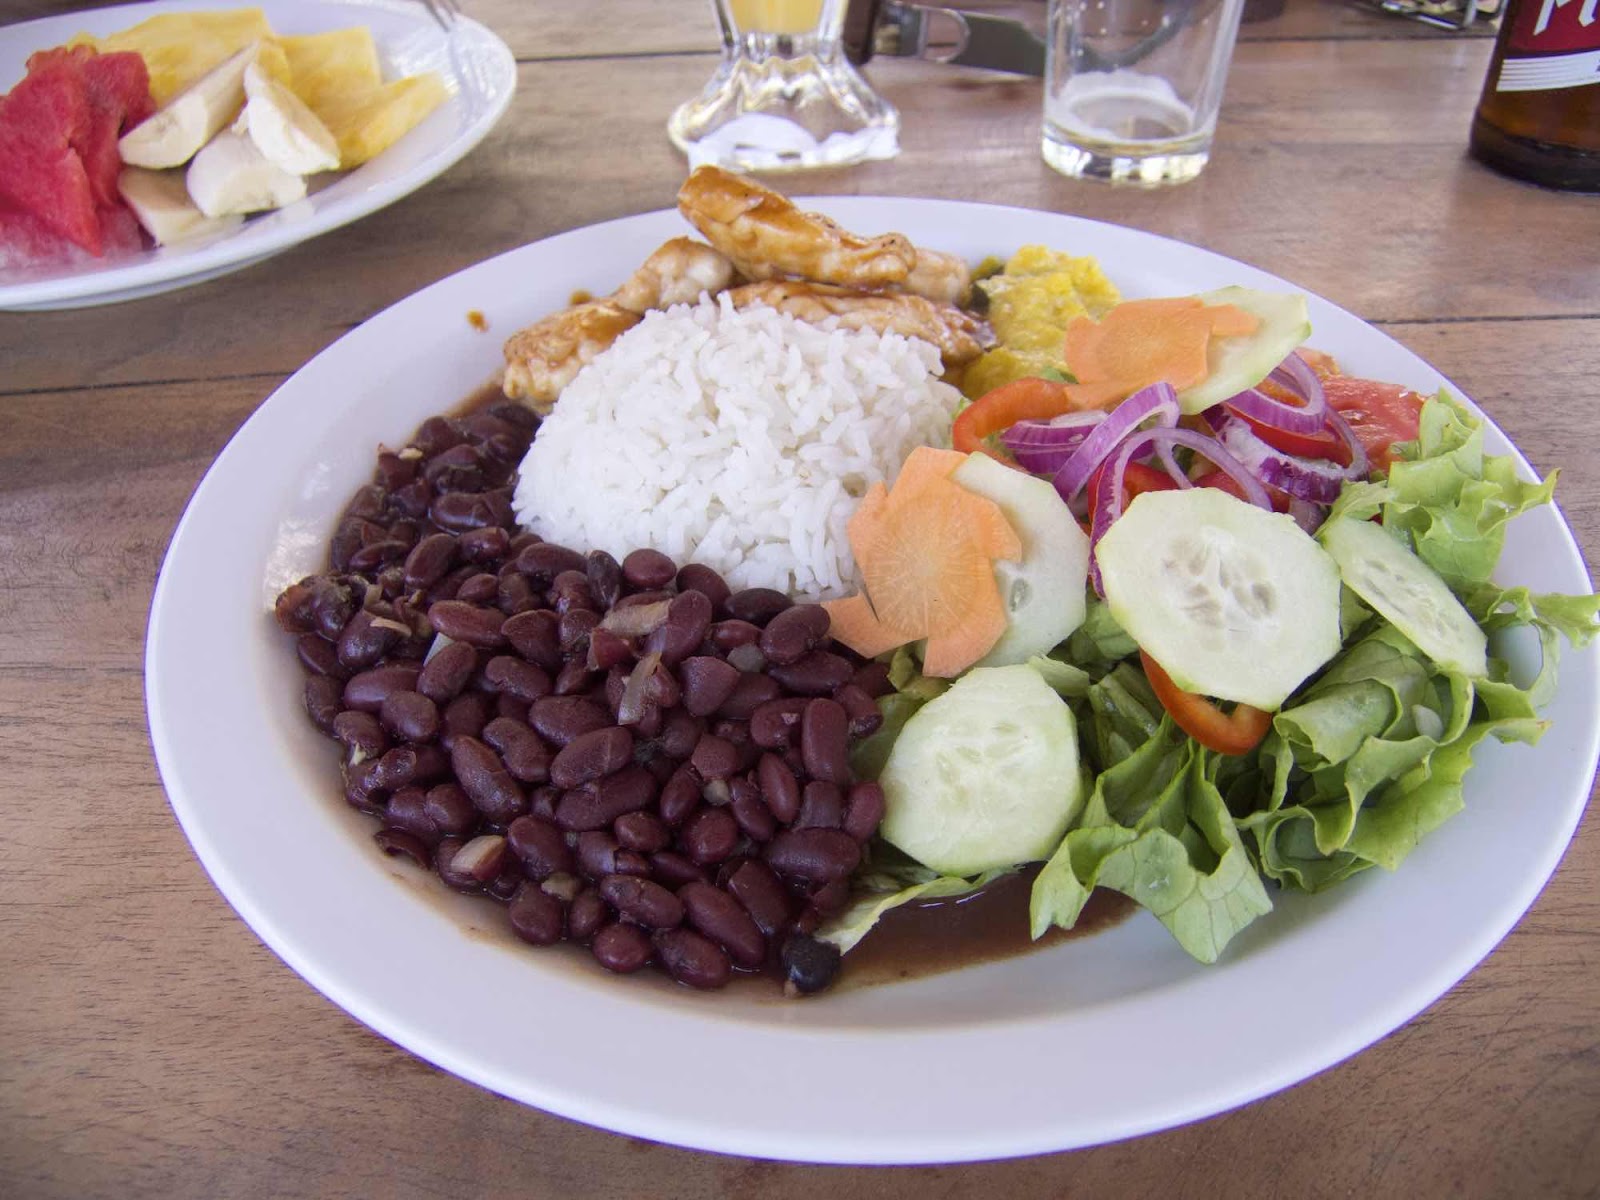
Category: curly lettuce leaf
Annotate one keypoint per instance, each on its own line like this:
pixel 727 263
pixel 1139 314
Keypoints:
pixel 885 891
pixel 1157 830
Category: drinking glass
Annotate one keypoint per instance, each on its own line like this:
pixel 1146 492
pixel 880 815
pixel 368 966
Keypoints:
pixel 1132 87
pixel 784 96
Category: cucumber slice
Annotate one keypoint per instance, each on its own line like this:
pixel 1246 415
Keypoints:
pixel 1045 594
pixel 1237 363
pixel 984 776
pixel 1233 601
pixel 1408 593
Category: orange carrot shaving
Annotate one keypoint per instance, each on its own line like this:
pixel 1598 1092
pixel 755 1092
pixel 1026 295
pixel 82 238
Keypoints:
pixel 926 551
pixel 1140 342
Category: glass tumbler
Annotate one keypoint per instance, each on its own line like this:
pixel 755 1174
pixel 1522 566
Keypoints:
pixel 1132 87
pixel 784 96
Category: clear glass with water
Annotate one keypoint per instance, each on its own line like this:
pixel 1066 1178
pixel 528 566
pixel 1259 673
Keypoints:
pixel 1132 87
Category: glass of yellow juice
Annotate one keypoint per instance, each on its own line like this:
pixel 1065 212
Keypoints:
pixel 784 96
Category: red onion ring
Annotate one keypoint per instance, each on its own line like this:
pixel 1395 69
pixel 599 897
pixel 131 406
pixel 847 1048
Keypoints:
pixel 1316 480
pixel 1043 446
pixel 1297 376
pixel 1158 400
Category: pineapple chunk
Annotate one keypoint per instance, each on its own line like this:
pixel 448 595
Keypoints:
pixel 365 124
pixel 178 48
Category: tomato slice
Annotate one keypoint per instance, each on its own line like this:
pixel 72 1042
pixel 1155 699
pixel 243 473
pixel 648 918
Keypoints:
pixel 1221 479
pixel 1381 414
pixel 1236 732
pixel 996 411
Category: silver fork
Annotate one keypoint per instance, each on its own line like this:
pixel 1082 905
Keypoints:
pixel 445 12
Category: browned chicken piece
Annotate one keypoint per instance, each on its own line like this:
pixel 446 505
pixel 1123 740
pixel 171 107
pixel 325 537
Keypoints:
pixel 960 336
pixel 767 237
pixel 543 358
pixel 677 273
pixel 944 278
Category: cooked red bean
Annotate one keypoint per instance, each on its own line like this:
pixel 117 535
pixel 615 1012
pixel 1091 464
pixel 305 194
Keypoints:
pixel 486 781
pixel 527 758
pixel 407 811
pixel 815 674
pixel 673 870
pixel 397 767
pixel 507 674
pixel 680 795
pixel 605 578
pixel 648 570
pixel 776 723
pixel 642 901
pixel 560 719
pixel 447 672
pixel 680 635
pixel 752 692
pixel 482 588
pixel 692 959
pixel 365 639
pixel 794 631
pixel 591 756
pixel 537 917
pixel 318 656
pixel 731 634
pixel 696 577
pixel 574 678
pixel 825 741
pixel 813 855
pixel 370 557
pixel 707 682
pixel 570 590
pixel 864 810
pixel 779 788
pixel 621 948
pixel 369 689
pixel 481 857
pixel 809 965
pixel 709 836
pixel 429 561
pixel 361 734
pixel 680 733
pixel 763 895
pixel 751 812
pixel 606 649
pixel 534 636
pixel 444 856
pixel 410 715
pixel 574 628
pixel 451 810
pixel 486 545
pixel 831 897
pixel 641 831
pixel 459 512
pixel 821 806
pixel 756 605
pixel 720 917
pixel 714 757
pixel 515 595
pixel 863 711
pixel 463 622
pixel 465 716
pixel 598 804
pixel 587 912
pixel 540 845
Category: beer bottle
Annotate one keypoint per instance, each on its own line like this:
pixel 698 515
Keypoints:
pixel 1539 117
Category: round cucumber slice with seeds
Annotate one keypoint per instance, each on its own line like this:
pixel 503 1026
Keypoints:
pixel 985 775
pixel 1408 593
pixel 1237 363
pixel 1233 601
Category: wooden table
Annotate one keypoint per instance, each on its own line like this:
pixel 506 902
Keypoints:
pixel 151 1046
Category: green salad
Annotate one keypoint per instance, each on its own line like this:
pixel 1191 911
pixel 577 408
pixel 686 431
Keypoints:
pixel 1371 698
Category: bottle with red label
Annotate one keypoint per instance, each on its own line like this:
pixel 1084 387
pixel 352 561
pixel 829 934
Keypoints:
pixel 1539 118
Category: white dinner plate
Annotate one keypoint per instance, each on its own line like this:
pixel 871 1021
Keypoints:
pixel 476 67
pixel 1086 1041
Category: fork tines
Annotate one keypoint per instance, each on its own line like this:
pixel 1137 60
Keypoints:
pixel 446 12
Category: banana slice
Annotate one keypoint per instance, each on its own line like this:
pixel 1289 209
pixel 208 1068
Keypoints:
pixel 161 202
pixel 231 176
pixel 288 134
pixel 173 134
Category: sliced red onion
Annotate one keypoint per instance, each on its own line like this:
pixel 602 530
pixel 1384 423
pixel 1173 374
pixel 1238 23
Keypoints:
pixel 1307 515
pixel 1158 401
pixel 1108 490
pixel 637 620
pixel 1296 375
pixel 1316 480
pixel 632 705
pixel 1042 446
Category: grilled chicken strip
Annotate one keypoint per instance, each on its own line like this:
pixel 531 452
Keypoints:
pixel 959 336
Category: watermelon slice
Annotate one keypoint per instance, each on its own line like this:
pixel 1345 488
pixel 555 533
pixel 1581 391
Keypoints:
pixel 58 147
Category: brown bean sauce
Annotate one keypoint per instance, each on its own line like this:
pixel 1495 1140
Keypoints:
pixel 917 940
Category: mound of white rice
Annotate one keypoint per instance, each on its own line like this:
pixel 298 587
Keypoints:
pixel 739 439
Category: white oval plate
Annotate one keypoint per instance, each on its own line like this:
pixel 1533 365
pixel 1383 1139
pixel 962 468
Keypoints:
pixel 1087 1041
pixel 476 66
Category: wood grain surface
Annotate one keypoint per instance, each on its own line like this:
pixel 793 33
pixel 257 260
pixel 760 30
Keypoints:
pixel 151 1046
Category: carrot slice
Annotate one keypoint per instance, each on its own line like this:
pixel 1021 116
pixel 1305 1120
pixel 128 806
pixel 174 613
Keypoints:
pixel 926 550
pixel 1140 342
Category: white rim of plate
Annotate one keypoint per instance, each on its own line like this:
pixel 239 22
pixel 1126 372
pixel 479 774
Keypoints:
pixel 849 1087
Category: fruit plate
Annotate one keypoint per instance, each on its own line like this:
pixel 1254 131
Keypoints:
pixel 476 66
pixel 1085 1041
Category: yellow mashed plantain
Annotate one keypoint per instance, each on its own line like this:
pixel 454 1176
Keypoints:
pixel 1031 301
